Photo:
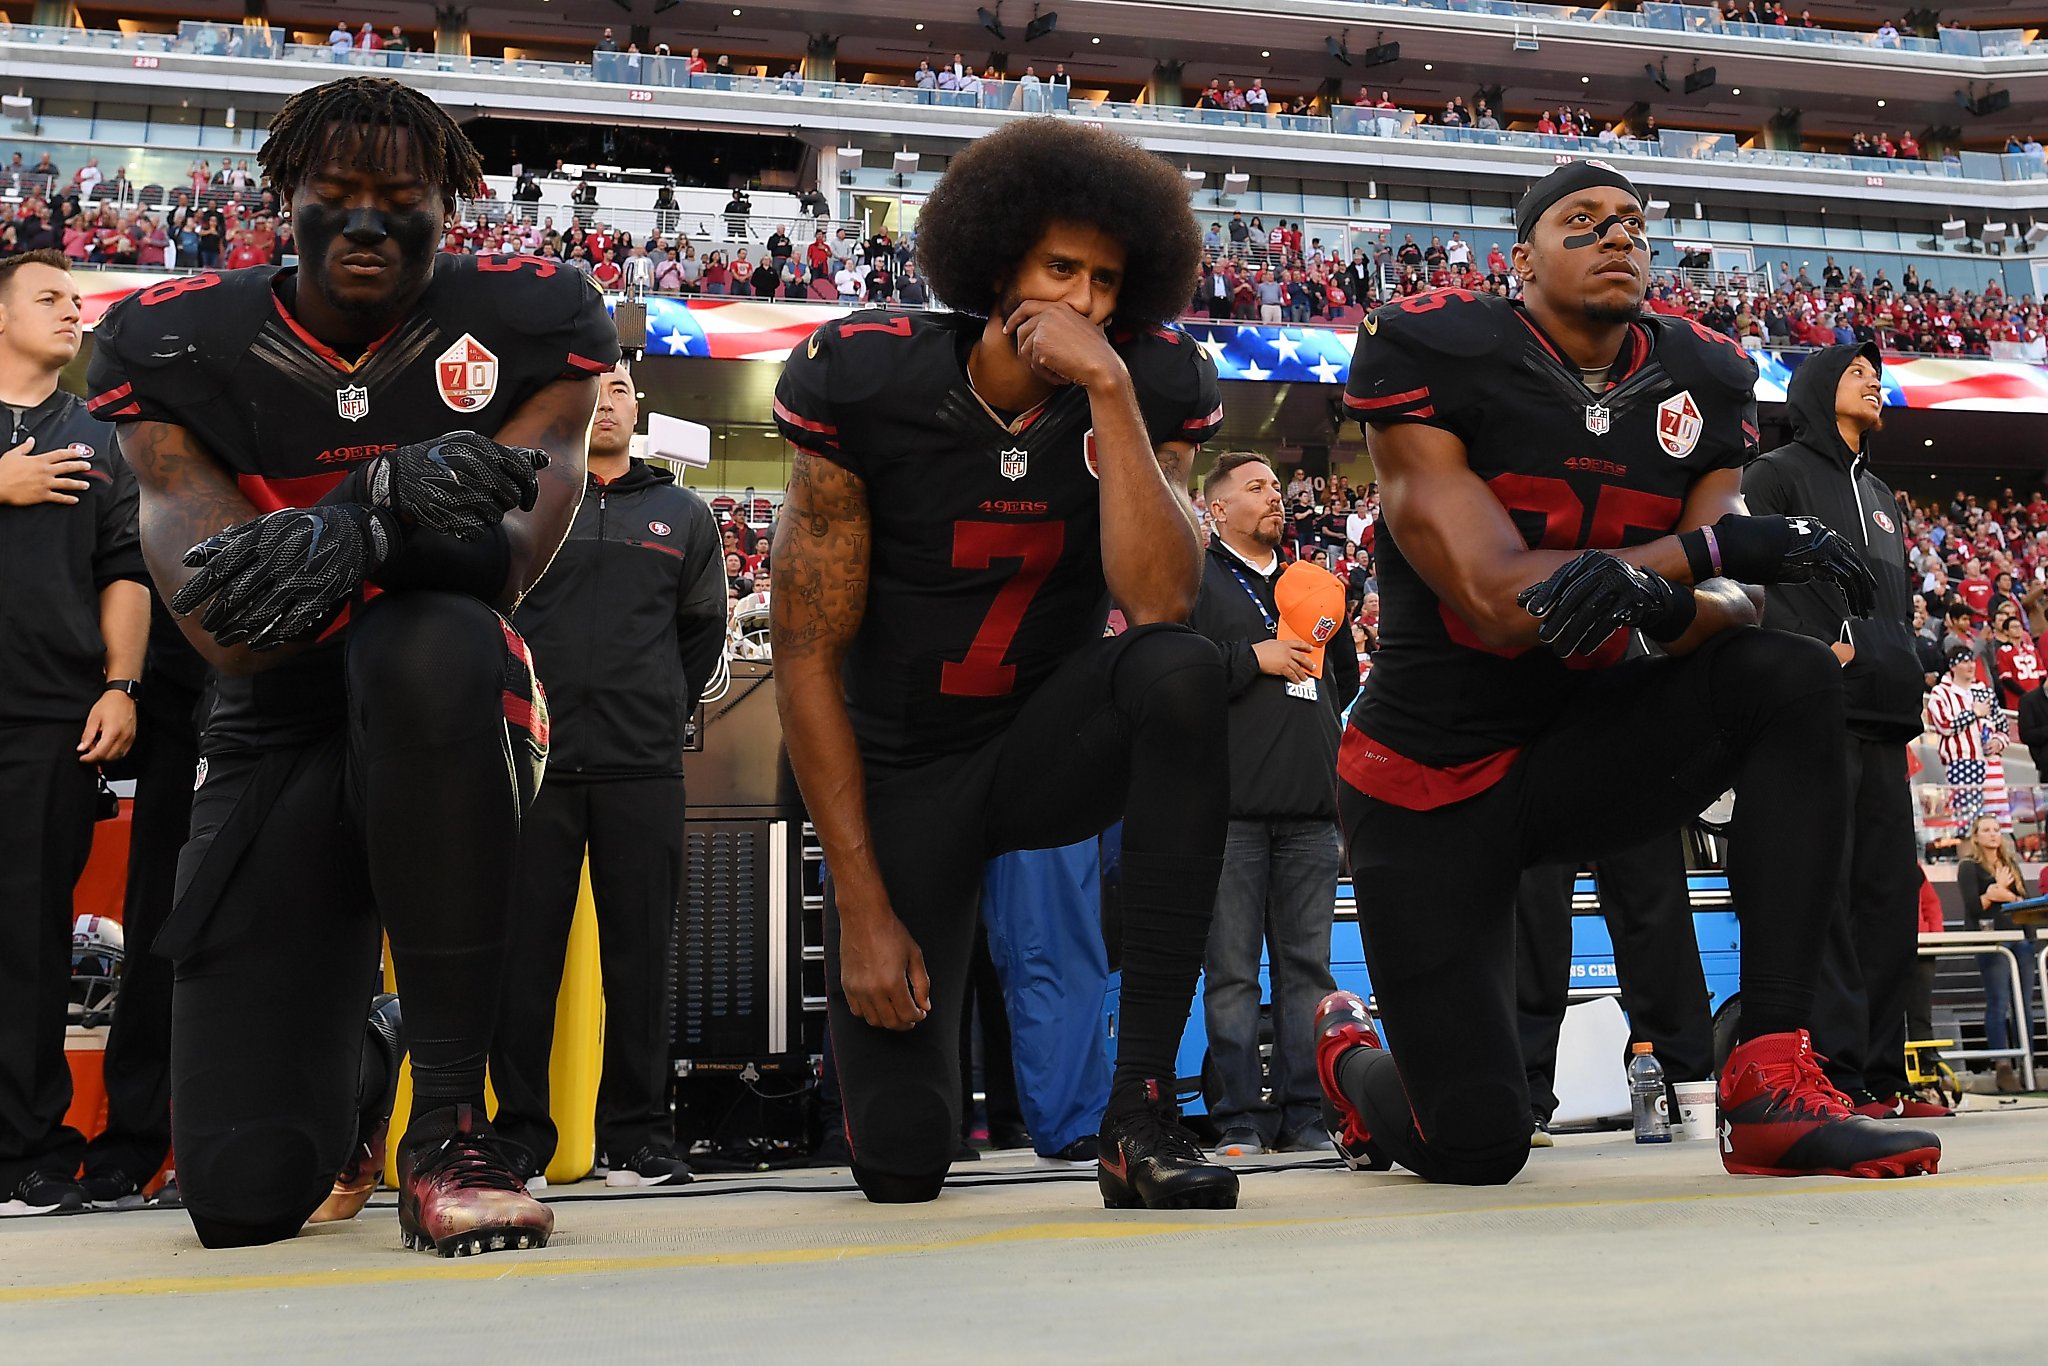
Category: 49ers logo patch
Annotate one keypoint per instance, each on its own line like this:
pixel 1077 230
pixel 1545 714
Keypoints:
pixel 1088 453
pixel 467 375
pixel 1679 424
pixel 658 528
pixel 1882 520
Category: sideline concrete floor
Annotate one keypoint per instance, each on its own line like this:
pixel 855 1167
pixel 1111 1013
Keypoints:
pixel 1600 1252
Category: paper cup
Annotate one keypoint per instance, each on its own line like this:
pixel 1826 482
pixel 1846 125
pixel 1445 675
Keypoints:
pixel 1695 1109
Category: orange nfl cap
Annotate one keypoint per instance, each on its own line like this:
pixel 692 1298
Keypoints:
pixel 1311 603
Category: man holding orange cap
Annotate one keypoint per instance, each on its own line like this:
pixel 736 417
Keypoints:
pixel 1280 861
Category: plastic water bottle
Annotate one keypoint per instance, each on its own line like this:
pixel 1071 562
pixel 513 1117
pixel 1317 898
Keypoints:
pixel 1647 1096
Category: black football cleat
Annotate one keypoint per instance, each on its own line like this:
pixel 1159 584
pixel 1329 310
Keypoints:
pixel 1781 1117
pixel 1145 1159
pixel 1342 1024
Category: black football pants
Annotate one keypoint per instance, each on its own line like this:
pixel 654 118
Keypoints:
pixel 45 836
pixel 404 820
pixel 633 829
pixel 1867 969
pixel 1648 911
pixel 1128 726
pixel 1642 748
pixel 138 1061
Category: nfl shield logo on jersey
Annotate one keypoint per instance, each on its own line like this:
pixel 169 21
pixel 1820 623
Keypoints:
pixel 1015 463
pixel 1679 424
pixel 353 403
pixel 467 375
pixel 1598 419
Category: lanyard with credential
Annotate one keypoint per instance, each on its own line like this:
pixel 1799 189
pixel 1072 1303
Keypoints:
pixel 1252 593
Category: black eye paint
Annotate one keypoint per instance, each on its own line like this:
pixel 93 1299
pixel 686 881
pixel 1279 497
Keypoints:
pixel 366 227
pixel 1573 241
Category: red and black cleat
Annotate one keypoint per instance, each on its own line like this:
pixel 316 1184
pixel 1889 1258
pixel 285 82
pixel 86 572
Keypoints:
pixel 1145 1159
pixel 1903 1106
pixel 1341 1025
pixel 460 1196
pixel 1781 1117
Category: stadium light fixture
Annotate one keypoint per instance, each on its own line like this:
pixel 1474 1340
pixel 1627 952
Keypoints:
pixel 2037 234
pixel 849 156
pixel 906 162
pixel 993 22
pixel 1954 230
pixel 1658 210
pixel 1237 182
pixel 1040 25
pixel 17 103
pixel 1194 179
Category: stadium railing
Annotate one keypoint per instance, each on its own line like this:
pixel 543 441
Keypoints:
pixel 615 68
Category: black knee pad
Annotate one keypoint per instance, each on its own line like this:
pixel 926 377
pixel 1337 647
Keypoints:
pixel 891 1188
pixel 904 1138
pixel 1479 1135
pixel 255 1184
pixel 1168 675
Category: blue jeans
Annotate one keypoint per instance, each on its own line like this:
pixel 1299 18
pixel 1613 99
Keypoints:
pixel 1279 889
pixel 2005 1021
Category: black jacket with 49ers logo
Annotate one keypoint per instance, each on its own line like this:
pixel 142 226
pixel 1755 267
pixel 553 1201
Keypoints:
pixel 626 627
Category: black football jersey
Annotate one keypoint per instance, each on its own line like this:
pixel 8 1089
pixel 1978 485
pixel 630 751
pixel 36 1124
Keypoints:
pixel 986 560
pixel 1443 715
pixel 220 355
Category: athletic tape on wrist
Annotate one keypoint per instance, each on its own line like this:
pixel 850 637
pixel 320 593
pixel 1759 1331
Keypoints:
pixel 1703 563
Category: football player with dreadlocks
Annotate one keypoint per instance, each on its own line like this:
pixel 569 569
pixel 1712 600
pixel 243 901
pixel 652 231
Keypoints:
pixel 349 469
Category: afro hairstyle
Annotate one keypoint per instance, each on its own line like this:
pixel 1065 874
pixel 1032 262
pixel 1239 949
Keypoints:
pixel 998 197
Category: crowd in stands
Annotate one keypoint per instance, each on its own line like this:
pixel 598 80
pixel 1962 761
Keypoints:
pixel 1251 271
pixel 1903 316
pixel 222 219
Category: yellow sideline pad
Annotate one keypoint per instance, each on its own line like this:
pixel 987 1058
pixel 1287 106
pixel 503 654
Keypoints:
pixel 573 1068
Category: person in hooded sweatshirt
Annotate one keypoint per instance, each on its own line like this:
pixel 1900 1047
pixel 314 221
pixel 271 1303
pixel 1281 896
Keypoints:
pixel 1835 403
pixel 626 628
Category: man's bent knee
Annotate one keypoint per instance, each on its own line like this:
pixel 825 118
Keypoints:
pixel 904 1138
pixel 1479 1136
pixel 258 1184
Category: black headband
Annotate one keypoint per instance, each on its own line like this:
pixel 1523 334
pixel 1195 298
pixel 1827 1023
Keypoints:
pixel 1566 180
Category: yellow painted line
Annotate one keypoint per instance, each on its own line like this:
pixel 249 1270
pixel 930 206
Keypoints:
pixel 409 1267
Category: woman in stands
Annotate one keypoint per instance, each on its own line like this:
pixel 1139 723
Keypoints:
pixel 1988 877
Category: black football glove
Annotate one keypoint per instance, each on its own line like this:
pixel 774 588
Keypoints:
pixel 461 483
pixel 285 575
pixel 1785 550
pixel 1594 595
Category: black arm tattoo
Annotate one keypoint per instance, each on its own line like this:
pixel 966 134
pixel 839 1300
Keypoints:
pixel 821 559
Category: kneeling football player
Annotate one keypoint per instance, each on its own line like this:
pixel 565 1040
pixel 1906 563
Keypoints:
pixel 970 491
pixel 1554 475
pixel 349 469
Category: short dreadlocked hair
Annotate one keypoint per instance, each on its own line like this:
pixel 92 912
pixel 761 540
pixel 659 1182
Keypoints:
pixel 998 197
pixel 315 126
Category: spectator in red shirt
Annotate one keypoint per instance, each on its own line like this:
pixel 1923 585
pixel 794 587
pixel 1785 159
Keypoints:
pixel 607 272
pixel 2015 659
pixel 1975 590
pixel 246 253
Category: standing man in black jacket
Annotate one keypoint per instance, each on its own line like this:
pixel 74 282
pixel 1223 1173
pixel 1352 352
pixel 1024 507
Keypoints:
pixel 1280 859
pixel 74 618
pixel 1835 402
pixel 626 628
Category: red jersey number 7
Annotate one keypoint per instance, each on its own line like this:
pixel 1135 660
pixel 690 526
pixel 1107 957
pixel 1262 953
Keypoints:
pixel 978 545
